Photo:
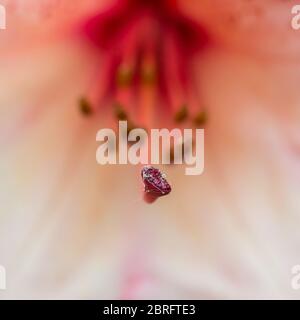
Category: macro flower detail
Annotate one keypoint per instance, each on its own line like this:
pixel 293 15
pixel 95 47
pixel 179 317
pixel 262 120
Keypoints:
pixel 70 228
pixel 148 46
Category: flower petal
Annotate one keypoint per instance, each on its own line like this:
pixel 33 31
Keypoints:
pixel 261 27
pixel 232 232
pixel 33 22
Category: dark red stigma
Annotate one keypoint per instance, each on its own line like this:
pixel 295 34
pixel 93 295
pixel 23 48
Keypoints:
pixel 155 182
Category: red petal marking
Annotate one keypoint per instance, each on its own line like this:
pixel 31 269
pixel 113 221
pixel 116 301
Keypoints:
pixel 155 183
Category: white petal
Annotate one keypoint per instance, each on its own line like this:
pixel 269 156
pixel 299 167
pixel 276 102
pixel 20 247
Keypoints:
pixel 232 232
pixel 257 27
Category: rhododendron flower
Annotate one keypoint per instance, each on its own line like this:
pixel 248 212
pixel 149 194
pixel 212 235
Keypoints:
pixel 70 228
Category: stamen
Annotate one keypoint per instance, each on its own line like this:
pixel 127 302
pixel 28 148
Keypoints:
pixel 201 119
pixel 120 112
pixel 182 114
pixel 175 78
pixel 148 74
pixel 124 75
pixel 148 49
pixel 180 150
pixel 85 107
pixel 172 152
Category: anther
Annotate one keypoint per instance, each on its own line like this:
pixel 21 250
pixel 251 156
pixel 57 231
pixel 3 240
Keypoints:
pixel 181 115
pixel 148 74
pixel 120 112
pixel 200 119
pixel 85 107
pixel 124 76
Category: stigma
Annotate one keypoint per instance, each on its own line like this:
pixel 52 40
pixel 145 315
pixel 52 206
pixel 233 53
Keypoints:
pixel 155 184
pixel 148 49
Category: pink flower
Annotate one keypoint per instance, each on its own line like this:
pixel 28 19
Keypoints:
pixel 70 228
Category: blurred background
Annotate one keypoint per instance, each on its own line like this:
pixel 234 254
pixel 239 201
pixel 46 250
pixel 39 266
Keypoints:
pixel 73 229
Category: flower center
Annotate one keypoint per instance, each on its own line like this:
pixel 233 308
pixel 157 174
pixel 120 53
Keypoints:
pixel 148 46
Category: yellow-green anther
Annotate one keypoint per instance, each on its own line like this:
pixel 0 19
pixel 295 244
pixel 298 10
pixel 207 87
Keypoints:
pixel 148 74
pixel 124 76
